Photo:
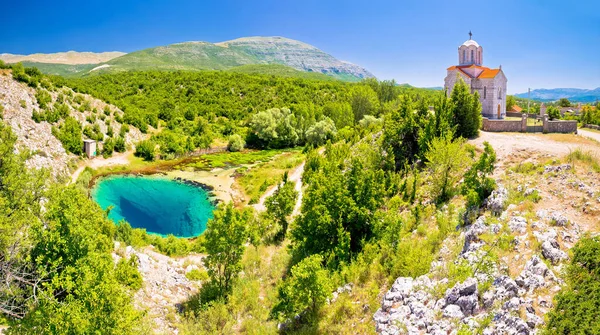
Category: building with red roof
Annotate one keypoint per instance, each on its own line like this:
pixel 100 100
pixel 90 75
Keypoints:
pixel 490 83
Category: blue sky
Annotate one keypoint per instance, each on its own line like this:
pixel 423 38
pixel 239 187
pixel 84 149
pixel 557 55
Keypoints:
pixel 540 44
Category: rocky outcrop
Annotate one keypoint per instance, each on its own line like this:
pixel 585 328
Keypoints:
pixel 18 102
pixel 497 200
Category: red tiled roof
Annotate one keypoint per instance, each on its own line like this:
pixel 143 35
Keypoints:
pixel 486 73
pixel 517 108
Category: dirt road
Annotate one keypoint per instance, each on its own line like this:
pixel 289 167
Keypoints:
pixel 556 145
pixel 295 177
pixel 98 162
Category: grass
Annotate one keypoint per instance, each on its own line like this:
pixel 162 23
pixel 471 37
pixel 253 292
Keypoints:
pixel 255 181
pixel 585 157
pixel 530 121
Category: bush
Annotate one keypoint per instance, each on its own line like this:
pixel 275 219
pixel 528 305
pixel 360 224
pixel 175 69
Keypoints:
pixel 576 306
pixel 145 149
pixel 70 135
pixel 43 98
pixel 127 273
pixel 553 113
pixel 236 143
pixel 120 144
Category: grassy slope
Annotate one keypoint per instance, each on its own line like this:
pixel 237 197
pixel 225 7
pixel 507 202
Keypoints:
pixel 65 70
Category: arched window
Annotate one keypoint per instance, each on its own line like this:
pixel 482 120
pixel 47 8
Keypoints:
pixel 484 92
pixel 464 56
pixel 500 93
pixel 472 57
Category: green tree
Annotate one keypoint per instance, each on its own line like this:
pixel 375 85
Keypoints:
pixel 510 102
pixel 21 192
pixel 306 289
pixel 466 110
pixel 236 143
pixel 321 132
pixel 564 102
pixel 477 184
pixel 446 160
pixel 146 150
pixel 364 101
pixel 225 237
pixel 281 204
pixel 553 113
pixel 340 113
pixel 70 135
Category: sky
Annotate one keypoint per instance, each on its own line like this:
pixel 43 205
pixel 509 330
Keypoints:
pixel 540 44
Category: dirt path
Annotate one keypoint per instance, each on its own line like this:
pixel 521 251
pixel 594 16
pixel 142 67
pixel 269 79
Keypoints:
pixel 589 134
pixel 295 177
pixel 558 145
pixel 98 162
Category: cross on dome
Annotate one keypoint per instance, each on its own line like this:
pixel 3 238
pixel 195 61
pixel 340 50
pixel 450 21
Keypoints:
pixel 470 35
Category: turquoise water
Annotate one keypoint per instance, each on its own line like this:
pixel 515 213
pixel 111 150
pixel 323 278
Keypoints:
pixel 158 204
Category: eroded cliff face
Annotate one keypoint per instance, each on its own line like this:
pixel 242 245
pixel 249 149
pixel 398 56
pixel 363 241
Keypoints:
pixel 296 54
pixel 18 101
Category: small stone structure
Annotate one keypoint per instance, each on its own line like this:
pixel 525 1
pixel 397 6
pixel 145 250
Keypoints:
pixel 89 148
pixel 559 126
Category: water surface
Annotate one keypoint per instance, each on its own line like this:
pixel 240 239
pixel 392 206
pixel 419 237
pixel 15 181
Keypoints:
pixel 157 203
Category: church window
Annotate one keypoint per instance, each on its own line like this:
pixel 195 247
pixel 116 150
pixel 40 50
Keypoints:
pixel 472 58
pixel 464 56
pixel 500 93
pixel 484 92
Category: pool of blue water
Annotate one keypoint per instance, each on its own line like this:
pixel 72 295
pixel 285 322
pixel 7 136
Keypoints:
pixel 159 204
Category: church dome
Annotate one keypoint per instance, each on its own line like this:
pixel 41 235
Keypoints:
pixel 471 42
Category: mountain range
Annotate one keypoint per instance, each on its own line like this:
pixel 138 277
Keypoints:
pixel 573 94
pixel 270 54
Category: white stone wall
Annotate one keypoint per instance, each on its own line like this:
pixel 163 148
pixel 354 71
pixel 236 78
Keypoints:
pixel 452 78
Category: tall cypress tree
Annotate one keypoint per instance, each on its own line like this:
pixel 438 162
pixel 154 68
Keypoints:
pixel 466 110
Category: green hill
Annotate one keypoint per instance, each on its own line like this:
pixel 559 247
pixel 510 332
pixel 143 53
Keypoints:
pixel 269 55
pixel 65 70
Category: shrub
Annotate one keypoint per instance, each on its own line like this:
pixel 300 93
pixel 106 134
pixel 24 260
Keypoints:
pixel 120 144
pixel 43 98
pixel 127 273
pixel 70 135
pixel 196 274
pixel 576 306
pixel 145 149
pixel 306 289
pixel 553 113
pixel 236 143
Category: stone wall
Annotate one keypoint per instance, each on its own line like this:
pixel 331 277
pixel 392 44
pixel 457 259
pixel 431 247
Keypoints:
pixel 503 125
pixel 562 126
pixel 592 126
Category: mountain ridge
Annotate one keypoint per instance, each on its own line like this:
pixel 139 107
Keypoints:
pixel 573 94
pixel 202 55
pixel 66 58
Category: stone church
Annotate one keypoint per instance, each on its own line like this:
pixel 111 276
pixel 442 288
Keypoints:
pixel 490 83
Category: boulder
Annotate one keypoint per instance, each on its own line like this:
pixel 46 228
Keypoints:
pixel 468 304
pixel 558 219
pixel 496 201
pixel 551 251
pixel 518 224
pixel 453 311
